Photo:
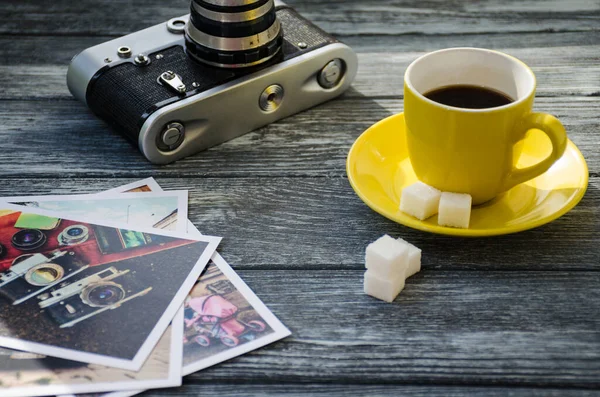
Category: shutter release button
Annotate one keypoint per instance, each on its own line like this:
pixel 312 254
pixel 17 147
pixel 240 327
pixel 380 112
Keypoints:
pixel 171 137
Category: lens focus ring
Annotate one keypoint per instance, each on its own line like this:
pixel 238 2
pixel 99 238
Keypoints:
pixel 233 33
pixel 230 17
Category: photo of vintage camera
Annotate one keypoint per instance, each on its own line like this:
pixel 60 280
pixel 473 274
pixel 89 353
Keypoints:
pixel 32 274
pixel 227 68
pixel 28 239
pixel 73 235
pixel 92 295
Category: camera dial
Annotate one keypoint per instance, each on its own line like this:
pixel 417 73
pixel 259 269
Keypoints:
pixel 28 239
pixel 233 33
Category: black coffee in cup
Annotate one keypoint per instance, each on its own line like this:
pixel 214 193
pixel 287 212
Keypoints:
pixel 468 96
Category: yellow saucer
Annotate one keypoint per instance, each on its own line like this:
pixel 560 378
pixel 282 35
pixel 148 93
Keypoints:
pixel 378 168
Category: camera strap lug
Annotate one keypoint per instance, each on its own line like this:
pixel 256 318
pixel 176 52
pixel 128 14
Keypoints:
pixel 173 81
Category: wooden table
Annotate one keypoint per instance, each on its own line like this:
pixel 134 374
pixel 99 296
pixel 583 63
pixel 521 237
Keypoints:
pixel 516 314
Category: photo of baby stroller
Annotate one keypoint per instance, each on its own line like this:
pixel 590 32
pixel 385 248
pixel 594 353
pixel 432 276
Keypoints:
pixel 212 317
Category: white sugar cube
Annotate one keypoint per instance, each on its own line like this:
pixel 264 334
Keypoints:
pixel 420 200
pixel 386 257
pixel 414 258
pixel 455 210
pixel 383 288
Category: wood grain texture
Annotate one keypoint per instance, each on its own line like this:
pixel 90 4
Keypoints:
pixel 58 51
pixel 65 136
pixel 509 315
pixel 319 223
pixel 355 390
pixel 64 17
pixel 487 327
pixel 560 71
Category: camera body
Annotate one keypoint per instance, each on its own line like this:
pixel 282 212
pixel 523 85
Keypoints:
pixel 32 274
pixel 148 87
pixel 90 296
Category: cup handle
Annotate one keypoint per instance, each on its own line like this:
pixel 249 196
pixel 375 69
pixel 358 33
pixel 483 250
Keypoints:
pixel 554 129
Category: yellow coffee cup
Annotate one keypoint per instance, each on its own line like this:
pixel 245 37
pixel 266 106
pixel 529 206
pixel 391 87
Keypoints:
pixel 467 150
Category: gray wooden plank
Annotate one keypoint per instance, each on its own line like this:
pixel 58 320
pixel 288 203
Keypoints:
pixel 105 17
pixel 63 137
pixel 560 71
pixel 449 17
pixel 49 50
pixel 504 328
pixel 355 390
pixel 515 311
pixel 319 223
pixel 572 70
pixel 431 42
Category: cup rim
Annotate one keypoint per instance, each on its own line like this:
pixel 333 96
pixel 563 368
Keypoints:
pixel 409 85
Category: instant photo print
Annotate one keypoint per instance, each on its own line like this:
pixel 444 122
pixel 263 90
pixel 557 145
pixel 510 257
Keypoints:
pixel 224 318
pixel 93 292
pixel 27 374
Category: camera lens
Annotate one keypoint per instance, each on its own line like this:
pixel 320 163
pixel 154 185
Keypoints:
pixel 233 33
pixel 73 235
pixel 28 239
pixel 44 274
pixel 75 232
pixel 105 294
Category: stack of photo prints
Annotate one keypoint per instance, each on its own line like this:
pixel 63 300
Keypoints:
pixel 115 293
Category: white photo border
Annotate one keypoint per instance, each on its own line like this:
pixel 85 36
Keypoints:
pixel 181 195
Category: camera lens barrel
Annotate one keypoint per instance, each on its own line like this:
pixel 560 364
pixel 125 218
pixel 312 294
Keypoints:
pixel 28 239
pixel 233 33
pixel 102 294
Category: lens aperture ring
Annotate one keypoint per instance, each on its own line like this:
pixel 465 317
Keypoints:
pixel 235 43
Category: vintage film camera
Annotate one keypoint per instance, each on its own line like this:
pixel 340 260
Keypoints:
pixel 32 274
pixel 229 67
pixel 90 296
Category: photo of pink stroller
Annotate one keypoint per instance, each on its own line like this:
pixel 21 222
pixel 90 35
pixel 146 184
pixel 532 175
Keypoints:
pixel 213 317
